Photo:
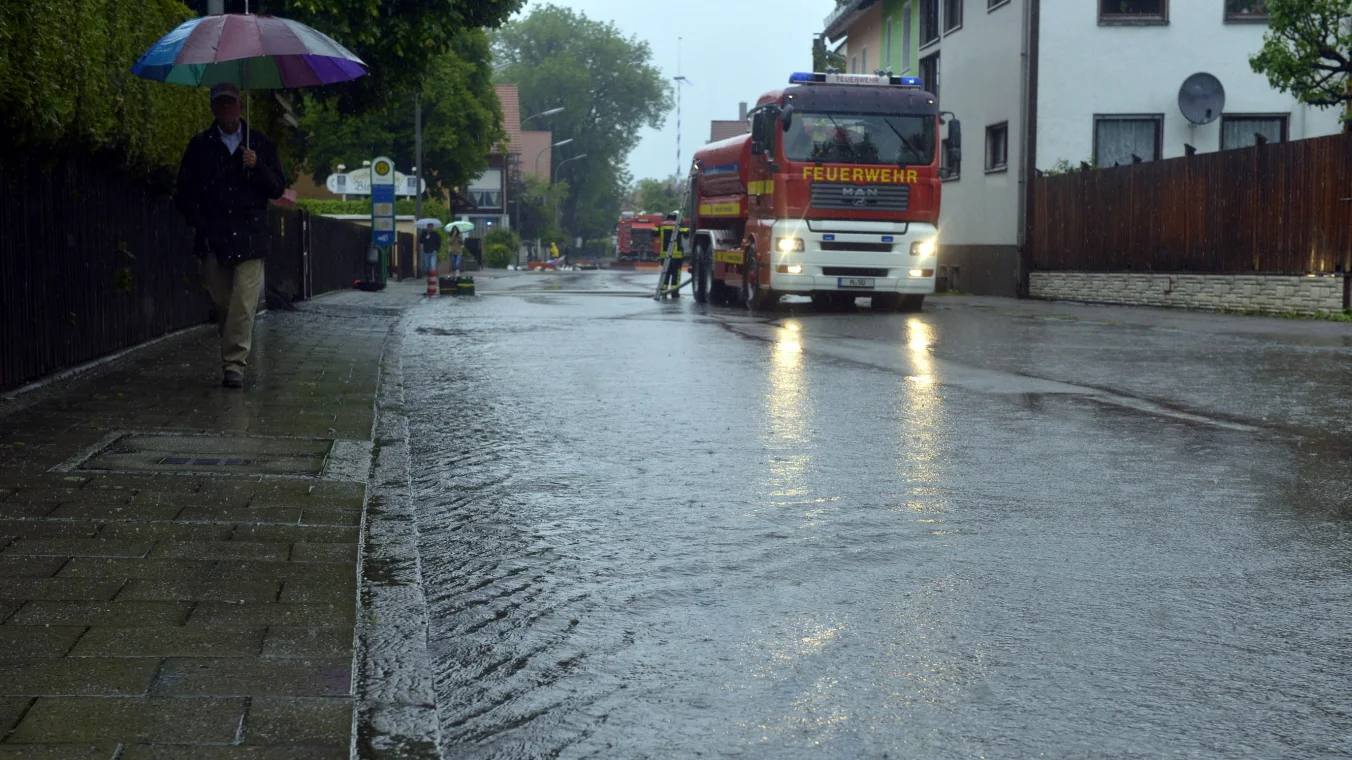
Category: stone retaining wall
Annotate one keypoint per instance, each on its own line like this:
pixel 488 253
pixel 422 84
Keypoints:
pixel 1270 293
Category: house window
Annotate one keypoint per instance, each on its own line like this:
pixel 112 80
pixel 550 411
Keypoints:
pixel 887 44
pixel 906 37
pixel 1246 10
pixel 1133 11
pixel 1123 140
pixel 863 61
pixel 854 64
pixel 1241 131
pixel 993 4
pixel 997 147
pixel 952 15
pixel 929 21
pixel 929 73
pixel 946 171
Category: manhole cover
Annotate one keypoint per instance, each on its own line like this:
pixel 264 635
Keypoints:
pixel 213 454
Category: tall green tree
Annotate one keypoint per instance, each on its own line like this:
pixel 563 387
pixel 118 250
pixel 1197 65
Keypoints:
pixel 610 89
pixel 1307 50
pixel 533 207
pixel 462 122
pixel 658 196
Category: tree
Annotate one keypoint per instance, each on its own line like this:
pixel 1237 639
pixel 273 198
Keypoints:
pixel 1307 50
pixel 534 203
pixel 658 196
pixel 609 88
pixel 462 122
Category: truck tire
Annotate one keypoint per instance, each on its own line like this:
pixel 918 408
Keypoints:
pixel 703 274
pixel 912 303
pixel 754 296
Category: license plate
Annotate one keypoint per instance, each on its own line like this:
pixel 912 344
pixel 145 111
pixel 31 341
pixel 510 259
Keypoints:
pixel 855 282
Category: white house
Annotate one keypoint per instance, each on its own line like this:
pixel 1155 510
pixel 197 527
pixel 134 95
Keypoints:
pixel 1090 81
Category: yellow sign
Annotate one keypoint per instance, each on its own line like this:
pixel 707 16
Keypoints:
pixel 382 168
pixel 729 257
pixel 761 187
pixel 721 209
pixel 859 174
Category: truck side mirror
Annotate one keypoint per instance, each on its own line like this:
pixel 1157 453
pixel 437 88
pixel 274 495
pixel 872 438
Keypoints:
pixel 955 135
pixel 786 118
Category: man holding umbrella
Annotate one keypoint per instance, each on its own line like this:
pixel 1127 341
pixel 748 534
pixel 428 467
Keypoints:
pixel 228 174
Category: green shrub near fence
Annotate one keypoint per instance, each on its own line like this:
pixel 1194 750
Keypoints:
pixel 500 247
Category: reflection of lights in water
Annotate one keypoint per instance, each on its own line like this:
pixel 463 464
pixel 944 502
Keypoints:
pixel 922 417
pixel 787 406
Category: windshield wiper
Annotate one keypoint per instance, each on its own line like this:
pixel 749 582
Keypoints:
pixel 905 141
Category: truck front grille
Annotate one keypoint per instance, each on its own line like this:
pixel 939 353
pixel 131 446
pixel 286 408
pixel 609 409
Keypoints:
pixel 854 272
pixel 828 245
pixel 845 195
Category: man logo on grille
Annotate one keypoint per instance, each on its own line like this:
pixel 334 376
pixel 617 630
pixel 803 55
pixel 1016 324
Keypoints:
pixel 859 192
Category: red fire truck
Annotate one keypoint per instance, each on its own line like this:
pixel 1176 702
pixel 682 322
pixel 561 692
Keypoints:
pixel 639 238
pixel 833 194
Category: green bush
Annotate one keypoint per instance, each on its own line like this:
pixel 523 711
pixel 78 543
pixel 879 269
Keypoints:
pixel 65 83
pixel 500 247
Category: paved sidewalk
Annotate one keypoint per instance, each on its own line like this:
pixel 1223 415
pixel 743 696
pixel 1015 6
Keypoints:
pixel 178 562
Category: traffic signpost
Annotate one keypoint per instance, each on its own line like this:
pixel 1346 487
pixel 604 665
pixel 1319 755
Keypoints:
pixel 382 212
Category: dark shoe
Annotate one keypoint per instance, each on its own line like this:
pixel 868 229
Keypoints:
pixel 233 379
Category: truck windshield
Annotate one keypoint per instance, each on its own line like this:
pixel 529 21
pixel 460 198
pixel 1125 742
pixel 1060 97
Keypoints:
pixel 860 139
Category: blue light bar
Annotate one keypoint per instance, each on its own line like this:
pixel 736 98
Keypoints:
pixel 806 77
pixel 916 82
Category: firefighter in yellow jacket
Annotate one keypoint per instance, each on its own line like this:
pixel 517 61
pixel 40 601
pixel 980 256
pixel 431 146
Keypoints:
pixel 671 274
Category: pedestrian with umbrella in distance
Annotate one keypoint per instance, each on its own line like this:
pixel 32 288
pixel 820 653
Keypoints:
pixel 230 171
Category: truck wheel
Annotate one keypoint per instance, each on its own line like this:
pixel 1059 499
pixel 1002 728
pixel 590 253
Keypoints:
pixel 912 303
pixel 886 302
pixel 754 296
pixel 703 273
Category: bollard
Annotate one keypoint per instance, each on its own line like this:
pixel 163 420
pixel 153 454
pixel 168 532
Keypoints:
pixel 432 283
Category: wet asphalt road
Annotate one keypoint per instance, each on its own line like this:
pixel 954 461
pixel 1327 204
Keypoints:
pixel 660 530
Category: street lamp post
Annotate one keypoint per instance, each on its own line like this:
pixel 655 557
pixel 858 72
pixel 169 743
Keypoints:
pixel 517 223
pixel 553 172
pixel 550 112
pixel 546 150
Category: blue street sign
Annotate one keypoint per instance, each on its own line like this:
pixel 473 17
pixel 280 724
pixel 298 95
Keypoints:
pixel 382 202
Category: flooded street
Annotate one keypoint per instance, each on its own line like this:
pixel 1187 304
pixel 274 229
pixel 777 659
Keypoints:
pixel 667 531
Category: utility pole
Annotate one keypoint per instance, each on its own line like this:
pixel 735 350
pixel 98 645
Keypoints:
pixel 417 168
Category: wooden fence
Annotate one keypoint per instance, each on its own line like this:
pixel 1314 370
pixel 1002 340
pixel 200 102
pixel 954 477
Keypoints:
pixel 1272 209
pixel 92 262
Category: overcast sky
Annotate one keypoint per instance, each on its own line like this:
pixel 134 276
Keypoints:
pixel 731 50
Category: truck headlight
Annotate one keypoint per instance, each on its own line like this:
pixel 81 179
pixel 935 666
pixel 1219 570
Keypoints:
pixel 923 248
pixel 789 244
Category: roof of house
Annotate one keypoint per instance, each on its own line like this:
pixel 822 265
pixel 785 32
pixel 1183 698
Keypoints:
pixel 511 115
pixel 838 23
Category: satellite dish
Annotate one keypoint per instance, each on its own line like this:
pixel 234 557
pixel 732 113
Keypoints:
pixel 1201 98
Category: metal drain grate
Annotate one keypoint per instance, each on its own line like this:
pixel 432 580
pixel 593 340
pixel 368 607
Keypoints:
pixel 208 462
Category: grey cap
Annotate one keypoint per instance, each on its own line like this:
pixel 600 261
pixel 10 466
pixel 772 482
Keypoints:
pixel 224 89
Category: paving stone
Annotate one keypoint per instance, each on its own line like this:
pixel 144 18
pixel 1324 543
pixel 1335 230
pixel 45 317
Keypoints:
pixel 29 567
pixel 77 676
pixel 292 720
pixel 8 608
pixel 139 483
pixel 284 572
pixel 231 677
pixel 334 592
pixel 48 528
pixel 113 512
pixel 18 641
pixel 101 613
pixel 216 614
pixel 242 515
pixel 163 752
pixel 200 590
pixel 331 516
pixel 296 641
pixel 318 534
pixel 268 552
pixel 167 531
pixel 61 589
pixel 79 547
pixel 338 553
pixel 118 567
pixel 130 719
pixel 58 751
pixel 26 509
pixel 11 709
pixel 167 641
pixel 75 495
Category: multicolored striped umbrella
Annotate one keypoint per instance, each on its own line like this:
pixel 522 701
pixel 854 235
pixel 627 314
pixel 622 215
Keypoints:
pixel 249 50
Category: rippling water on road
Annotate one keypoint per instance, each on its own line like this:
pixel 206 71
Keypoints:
pixel 649 531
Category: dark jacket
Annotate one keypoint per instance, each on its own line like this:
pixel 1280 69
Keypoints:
pixel 226 203
pixel 428 241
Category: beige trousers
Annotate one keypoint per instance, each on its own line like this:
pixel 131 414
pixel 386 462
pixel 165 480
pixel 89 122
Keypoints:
pixel 234 290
